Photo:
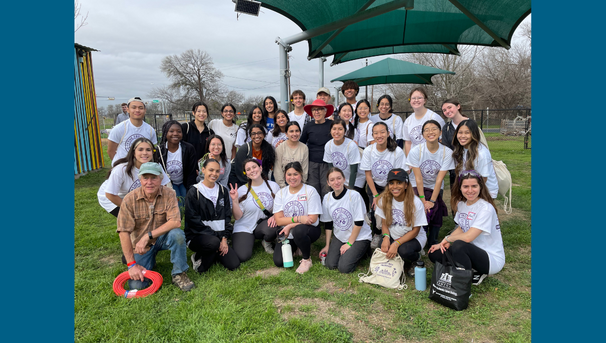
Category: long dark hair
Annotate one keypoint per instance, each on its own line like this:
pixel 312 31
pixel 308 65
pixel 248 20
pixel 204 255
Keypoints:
pixel 130 156
pixel 277 129
pixel 391 143
pixel 233 108
pixel 198 104
pixel 275 105
pixel 222 155
pixel 457 196
pixel 385 201
pixel 357 117
pixel 386 96
pixel 249 120
pixel 249 182
pixel 349 127
pixel 472 151
pixel 268 155
pixel 296 165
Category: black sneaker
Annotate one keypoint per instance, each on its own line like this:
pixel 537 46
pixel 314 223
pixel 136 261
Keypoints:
pixel 477 278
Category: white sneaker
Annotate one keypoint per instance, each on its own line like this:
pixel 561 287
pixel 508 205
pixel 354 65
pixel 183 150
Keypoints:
pixel 195 263
pixel 267 247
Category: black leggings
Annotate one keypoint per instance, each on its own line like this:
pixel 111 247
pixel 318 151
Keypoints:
pixel 303 235
pixel 244 242
pixel 409 251
pixel 364 195
pixel 373 220
pixel 467 254
pixel 206 248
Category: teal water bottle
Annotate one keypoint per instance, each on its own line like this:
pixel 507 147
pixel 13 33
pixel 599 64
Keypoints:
pixel 420 276
pixel 287 254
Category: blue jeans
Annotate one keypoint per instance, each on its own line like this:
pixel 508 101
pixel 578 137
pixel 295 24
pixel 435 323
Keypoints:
pixel 173 240
pixel 181 193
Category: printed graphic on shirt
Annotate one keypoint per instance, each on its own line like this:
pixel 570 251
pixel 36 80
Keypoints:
pixel 342 219
pixel 380 169
pixel 465 219
pixel 135 185
pixel 130 140
pixel 293 209
pixel 398 217
pixel 278 140
pixel 416 136
pixel 175 169
pixel 214 199
pixel 266 200
pixel 339 160
pixel 430 169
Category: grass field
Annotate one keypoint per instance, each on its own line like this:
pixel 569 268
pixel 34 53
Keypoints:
pixel 261 303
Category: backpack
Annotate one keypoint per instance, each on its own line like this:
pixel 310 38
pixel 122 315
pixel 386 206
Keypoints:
pixel 505 183
pixel 385 272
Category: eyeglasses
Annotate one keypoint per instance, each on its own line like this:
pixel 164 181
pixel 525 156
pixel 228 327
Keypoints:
pixel 228 111
pixel 256 133
pixel 417 98
pixel 318 109
pixel 435 129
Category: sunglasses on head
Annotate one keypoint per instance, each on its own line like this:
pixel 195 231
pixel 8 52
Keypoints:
pixel 469 173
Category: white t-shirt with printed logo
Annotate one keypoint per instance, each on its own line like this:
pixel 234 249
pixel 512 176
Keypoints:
pixel 343 213
pixel 274 141
pixel 120 183
pixel 125 133
pixel 251 212
pixel 365 133
pixel 228 133
pixel 430 164
pixel 380 163
pixel 174 165
pixel 483 165
pixel 342 156
pixel 394 124
pixel 399 227
pixel 305 202
pixel 411 130
pixel 483 216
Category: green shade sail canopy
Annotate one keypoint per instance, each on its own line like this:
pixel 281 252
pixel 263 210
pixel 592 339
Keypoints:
pixel 401 49
pixel 391 70
pixel 438 22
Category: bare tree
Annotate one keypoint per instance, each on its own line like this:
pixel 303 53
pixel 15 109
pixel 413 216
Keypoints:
pixel 79 18
pixel 192 73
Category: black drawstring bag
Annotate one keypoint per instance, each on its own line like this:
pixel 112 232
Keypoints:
pixel 450 283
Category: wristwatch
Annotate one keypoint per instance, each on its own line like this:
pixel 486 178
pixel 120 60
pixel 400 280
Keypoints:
pixel 150 235
pixel 432 201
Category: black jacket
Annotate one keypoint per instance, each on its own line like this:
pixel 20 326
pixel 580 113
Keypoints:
pixel 244 152
pixel 448 132
pixel 196 138
pixel 188 158
pixel 198 210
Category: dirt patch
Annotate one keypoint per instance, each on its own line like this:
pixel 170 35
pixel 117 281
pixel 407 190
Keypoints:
pixel 361 326
pixel 111 259
pixel 331 288
pixel 264 273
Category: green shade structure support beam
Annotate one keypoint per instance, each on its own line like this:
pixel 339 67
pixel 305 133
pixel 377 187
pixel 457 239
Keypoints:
pixel 339 24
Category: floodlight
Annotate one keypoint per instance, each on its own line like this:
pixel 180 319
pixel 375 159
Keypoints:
pixel 251 7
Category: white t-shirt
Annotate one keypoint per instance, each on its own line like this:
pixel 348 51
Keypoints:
pixel 299 119
pixel 274 141
pixel 483 216
pixel 483 165
pixel 251 212
pixel 430 164
pixel 342 156
pixel 411 130
pixel 212 194
pixel 305 202
pixel 399 227
pixel 125 133
pixel 174 165
pixel 380 163
pixel 343 213
pixel 120 183
pixel 228 133
pixel 394 124
pixel 365 133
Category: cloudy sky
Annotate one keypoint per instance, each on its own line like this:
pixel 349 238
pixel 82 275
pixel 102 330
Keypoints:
pixel 133 36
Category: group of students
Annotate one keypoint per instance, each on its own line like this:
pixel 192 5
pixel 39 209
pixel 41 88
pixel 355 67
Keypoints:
pixel 374 181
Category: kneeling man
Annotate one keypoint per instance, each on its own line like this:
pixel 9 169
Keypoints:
pixel 150 221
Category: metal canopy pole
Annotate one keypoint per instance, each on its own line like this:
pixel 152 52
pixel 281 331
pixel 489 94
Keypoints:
pixel 355 18
pixel 321 60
